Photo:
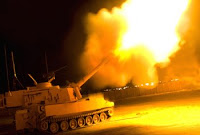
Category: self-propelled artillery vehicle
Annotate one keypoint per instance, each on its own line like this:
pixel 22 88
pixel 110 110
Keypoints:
pixel 52 109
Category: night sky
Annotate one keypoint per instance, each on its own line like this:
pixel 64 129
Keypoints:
pixel 31 28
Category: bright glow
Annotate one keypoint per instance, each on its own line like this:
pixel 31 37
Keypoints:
pixel 139 34
pixel 152 24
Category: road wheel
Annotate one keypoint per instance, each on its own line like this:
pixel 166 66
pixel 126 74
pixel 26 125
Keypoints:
pixel 103 116
pixel 54 127
pixel 96 118
pixel 81 122
pixel 110 112
pixel 89 120
pixel 44 125
pixel 64 125
pixel 73 123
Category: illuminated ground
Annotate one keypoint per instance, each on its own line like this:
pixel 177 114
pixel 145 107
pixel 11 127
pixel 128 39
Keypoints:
pixel 175 113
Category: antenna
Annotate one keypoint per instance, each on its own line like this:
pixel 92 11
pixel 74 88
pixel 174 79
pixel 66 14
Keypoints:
pixel 50 75
pixel 15 75
pixel 6 64
pixel 60 69
pixel 46 63
pixel 35 82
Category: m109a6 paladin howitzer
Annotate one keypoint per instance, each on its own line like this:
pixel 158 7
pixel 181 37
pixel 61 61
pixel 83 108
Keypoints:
pixel 52 109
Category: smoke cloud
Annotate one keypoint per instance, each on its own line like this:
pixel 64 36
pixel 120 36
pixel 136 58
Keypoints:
pixel 103 35
pixel 185 64
pixel 104 31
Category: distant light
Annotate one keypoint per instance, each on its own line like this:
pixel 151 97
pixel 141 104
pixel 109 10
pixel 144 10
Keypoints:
pixel 152 83
pixel 125 87
pixel 176 79
pixel 118 88
pixel 147 84
pixel 142 85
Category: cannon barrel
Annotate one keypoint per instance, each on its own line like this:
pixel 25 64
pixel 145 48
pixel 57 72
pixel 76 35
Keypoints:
pixel 88 76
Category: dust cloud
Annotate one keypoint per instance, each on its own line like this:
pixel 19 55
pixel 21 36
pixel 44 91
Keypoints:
pixel 104 31
pixel 185 64
pixel 103 34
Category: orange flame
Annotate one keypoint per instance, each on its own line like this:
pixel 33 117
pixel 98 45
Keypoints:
pixel 153 24
pixel 143 32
